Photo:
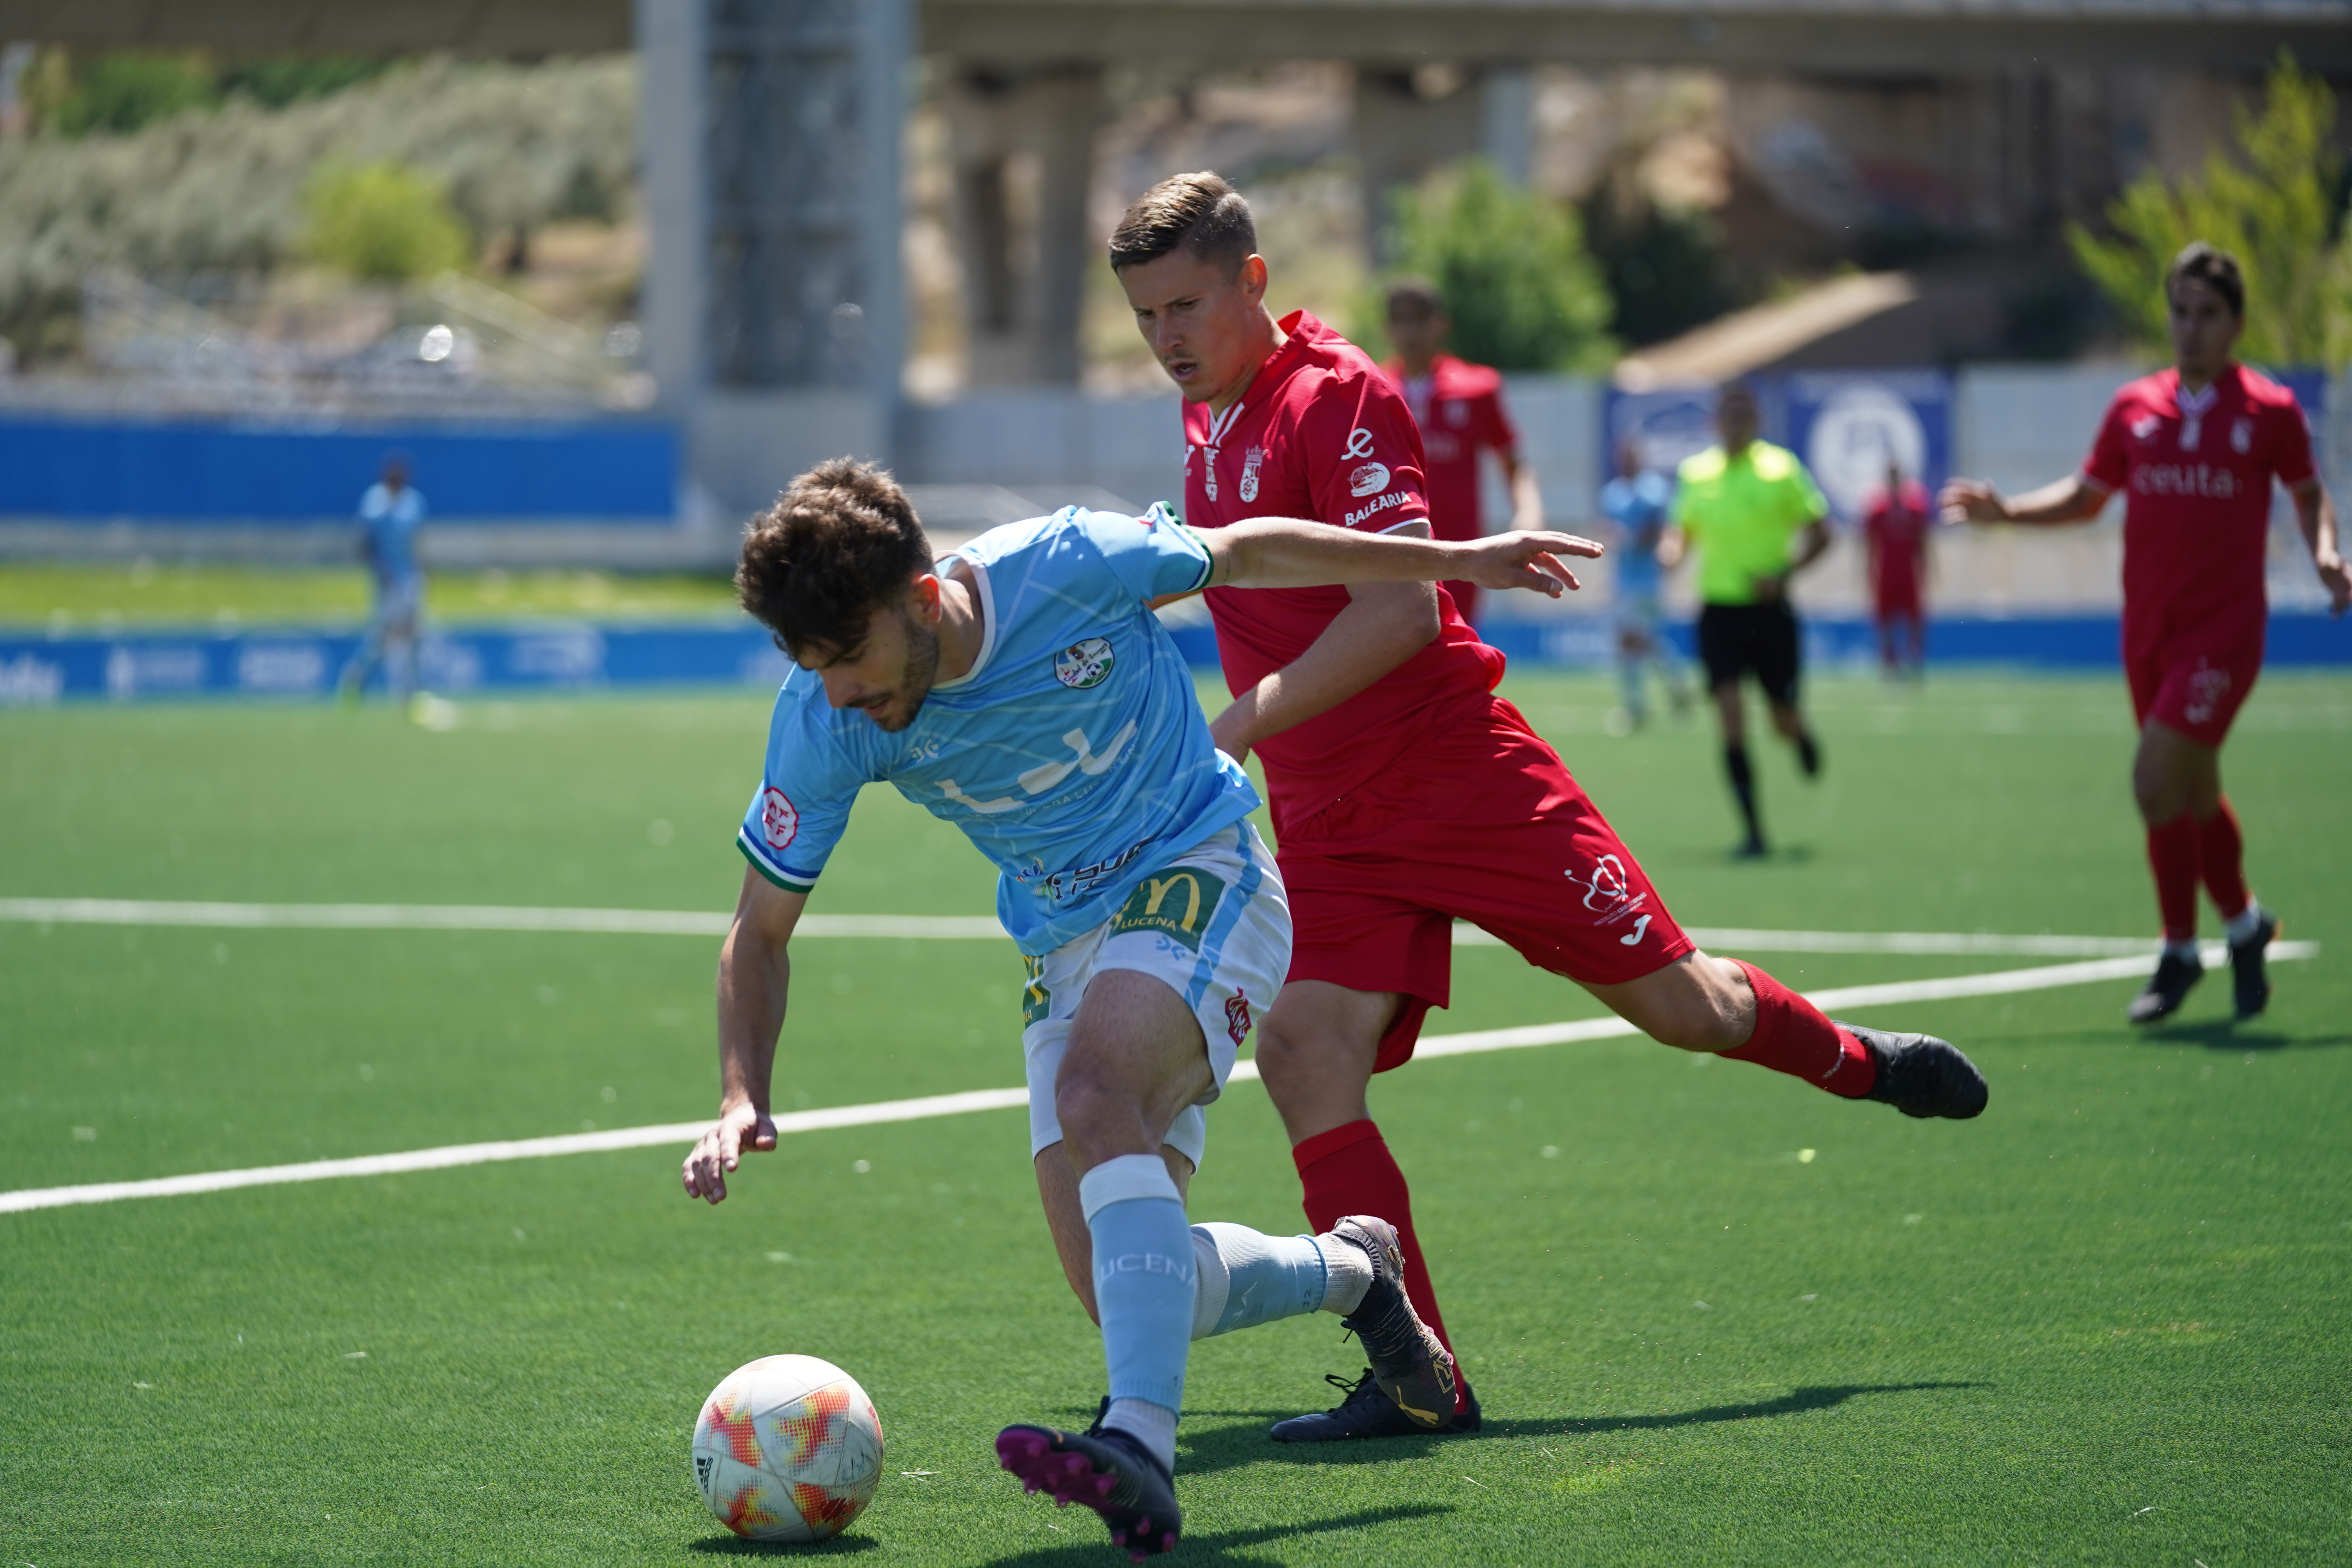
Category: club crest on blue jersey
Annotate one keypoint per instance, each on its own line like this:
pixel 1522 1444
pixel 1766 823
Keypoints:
pixel 1083 664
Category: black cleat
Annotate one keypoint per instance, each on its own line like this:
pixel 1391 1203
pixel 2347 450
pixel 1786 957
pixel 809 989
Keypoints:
pixel 1105 1470
pixel 1809 754
pixel 2249 983
pixel 1367 1412
pixel 1410 1363
pixel 1753 848
pixel 2170 984
pixel 1920 1075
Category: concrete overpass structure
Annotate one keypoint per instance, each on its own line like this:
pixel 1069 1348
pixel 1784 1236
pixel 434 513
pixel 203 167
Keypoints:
pixel 770 131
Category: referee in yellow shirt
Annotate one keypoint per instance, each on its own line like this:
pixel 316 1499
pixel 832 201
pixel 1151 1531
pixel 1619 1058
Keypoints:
pixel 1756 517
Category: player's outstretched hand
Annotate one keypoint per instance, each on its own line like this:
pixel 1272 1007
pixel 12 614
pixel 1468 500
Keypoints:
pixel 1971 500
pixel 740 1128
pixel 1527 561
pixel 2336 577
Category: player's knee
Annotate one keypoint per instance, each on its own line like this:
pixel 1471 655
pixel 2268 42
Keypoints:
pixel 1089 1105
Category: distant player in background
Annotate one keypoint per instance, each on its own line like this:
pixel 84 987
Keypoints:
pixel 1639 501
pixel 1757 519
pixel 1895 536
pixel 1021 689
pixel 1459 407
pixel 1405 794
pixel 2197 446
pixel 390 514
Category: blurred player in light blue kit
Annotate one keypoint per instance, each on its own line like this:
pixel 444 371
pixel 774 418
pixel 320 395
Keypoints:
pixel 1021 690
pixel 390 514
pixel 1638 501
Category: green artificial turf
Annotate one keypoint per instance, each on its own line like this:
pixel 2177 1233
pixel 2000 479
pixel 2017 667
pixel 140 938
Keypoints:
pixel 77 596
pixel 2101 1324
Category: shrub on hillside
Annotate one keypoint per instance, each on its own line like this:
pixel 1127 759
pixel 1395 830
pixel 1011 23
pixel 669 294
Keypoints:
pixel 2276 206
pixel 1522 288
pixel 381 220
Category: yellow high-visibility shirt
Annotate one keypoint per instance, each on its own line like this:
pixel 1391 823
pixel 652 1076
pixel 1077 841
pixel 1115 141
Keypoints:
pixel 1741 514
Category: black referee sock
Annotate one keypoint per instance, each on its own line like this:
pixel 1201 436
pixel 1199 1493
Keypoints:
pixel 1809 754
pixel 1743 784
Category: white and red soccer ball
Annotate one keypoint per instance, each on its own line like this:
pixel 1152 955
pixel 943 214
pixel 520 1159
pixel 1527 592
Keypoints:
pixel 788 1448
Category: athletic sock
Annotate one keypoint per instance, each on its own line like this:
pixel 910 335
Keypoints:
pixel 1349 1170
pixel 2245 922
pixel 1794 1037
pixel 2172 855
pixel 1743 784
pixel 1243 1277
pixel 1143 1292
pixel 1629 681
pixel 2220 860
pixel 1809 754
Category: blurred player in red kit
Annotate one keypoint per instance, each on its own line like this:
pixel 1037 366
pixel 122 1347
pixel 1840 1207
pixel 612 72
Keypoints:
pixel 2196 447
pixel 1895 534
pixel 1458 407
pixel 1405 793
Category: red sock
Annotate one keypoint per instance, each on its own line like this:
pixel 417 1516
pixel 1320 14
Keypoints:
pixel 1348 1170
pixel 1793 1037
pixel 2172 855
pixel 2220 857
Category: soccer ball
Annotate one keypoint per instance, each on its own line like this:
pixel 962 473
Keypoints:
pixel 788 1448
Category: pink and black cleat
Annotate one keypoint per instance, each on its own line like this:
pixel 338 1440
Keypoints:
pixel 1101 1468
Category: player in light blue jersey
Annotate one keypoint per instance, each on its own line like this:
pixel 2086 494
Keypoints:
pixel 1021 689
pixel 1638 502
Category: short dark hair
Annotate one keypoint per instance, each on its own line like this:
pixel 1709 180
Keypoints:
pixel 1415 296
pixel 840 543
pixel 1199 212
pixel 2217 270
pixel 1735 386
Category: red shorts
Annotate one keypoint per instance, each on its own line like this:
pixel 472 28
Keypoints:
pixel 1897 598
pixel 2194 689
pixel 1478 821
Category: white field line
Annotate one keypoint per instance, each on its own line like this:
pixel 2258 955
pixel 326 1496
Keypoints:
pixel 675 1132
pixel 690 922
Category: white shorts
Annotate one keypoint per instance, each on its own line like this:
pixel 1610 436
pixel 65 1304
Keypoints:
pixel 1214 924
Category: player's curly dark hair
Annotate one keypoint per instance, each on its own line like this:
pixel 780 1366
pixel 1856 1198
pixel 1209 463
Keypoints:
pixel 1199 212
pixel 2214 267
pixel 840 543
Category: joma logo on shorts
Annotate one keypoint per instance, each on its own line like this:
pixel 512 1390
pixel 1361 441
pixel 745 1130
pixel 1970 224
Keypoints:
pixel 1176 905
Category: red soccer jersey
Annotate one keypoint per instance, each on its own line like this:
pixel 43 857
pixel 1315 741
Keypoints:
pixel 2197 472
pixel 1459 408
pixel 1321 434
pixel 1896 526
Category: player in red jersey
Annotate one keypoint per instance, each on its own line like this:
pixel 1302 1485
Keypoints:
pixel 1895 532
pixel 1458 407
pixel 1405 795
pixel 2196 447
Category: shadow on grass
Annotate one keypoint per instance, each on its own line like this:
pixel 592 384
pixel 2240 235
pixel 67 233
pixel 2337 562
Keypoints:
pixel 2228 1035
pixel 736 1546
pixel 1692 855
pixel 1245 1443
pixel 1220 1546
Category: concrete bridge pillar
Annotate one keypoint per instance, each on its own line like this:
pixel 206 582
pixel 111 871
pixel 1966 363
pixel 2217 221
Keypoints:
pixel 770 132
pixel 1411 121
pixel 1022 146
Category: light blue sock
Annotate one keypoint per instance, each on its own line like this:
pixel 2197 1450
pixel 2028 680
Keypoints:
pixel 1143 1288
pixel 1247 1278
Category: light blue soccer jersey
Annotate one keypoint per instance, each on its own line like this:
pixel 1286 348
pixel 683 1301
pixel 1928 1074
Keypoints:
pixel 1074 753
pixel 1639 507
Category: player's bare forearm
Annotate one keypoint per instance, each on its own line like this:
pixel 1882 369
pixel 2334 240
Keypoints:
pixel 1812 543
pixel 1383 625
pixel 2315 513
pixel 754 979
pixel 1289 553
pixel 2071 500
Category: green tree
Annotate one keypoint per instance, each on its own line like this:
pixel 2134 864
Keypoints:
pixel 1523 290
pixel 2272 206
pixel 113 93
pixel 381 220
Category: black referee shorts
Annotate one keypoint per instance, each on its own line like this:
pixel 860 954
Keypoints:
pixel 1734 641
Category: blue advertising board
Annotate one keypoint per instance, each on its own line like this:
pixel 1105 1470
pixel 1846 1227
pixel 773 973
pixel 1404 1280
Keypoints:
pixel 57 467
pixel 1850 427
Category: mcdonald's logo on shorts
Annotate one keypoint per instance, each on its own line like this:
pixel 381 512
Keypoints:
pixel 1175 903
